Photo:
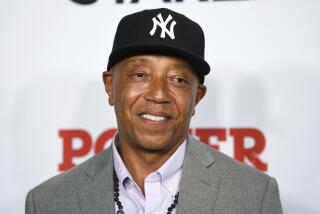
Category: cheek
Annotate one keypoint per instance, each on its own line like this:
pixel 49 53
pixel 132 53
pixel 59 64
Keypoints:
pixel 132 92
pixel 185 104
pixel 128 97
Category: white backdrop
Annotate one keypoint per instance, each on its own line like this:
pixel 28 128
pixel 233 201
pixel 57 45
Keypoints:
pixel 264 56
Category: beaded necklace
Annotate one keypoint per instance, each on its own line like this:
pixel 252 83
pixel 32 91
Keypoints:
pixel 119 204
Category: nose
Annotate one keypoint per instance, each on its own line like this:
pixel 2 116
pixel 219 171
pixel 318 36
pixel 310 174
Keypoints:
pixel 158 91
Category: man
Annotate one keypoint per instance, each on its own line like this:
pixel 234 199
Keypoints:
pixel 155 79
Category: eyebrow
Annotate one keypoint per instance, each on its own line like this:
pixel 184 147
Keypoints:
pixel 138 61
pixel 183 65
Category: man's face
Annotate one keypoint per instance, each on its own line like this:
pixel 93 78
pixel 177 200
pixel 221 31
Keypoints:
pixel 154 99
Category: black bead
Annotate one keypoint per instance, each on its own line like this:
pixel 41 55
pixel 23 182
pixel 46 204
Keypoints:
pixel 119 204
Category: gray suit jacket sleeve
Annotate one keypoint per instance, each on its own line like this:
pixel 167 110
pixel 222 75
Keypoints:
pixel 29 208
pixel 271 201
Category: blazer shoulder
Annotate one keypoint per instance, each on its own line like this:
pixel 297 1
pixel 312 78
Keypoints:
pixel 235 176
pixel 225 165
pixel 245 183
pixel 66 184
pixel 232 167
pixel 239 183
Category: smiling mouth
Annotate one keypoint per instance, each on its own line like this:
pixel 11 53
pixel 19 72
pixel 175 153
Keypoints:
pixel 154 118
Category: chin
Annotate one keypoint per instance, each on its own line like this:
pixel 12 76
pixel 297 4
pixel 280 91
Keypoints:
pixel 157 144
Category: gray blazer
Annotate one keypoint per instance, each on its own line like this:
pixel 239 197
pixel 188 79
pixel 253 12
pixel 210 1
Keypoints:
pixel 211 183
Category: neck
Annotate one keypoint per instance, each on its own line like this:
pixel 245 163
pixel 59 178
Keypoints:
pixel 140 162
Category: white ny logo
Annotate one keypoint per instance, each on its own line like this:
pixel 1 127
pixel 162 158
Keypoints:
pixel 163 25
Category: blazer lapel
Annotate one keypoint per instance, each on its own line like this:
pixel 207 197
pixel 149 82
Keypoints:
pixel 97 197
pixel 199 186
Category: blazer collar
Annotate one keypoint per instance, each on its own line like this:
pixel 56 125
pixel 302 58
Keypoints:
pixel 199 186
pixel 97 197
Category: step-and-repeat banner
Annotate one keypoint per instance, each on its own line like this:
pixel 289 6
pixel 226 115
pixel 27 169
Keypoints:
pixel 262 105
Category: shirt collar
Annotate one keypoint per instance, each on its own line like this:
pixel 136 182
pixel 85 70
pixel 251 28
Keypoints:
pixel 170 171
pixel 170 168
pixel 173 164
pixel 121 170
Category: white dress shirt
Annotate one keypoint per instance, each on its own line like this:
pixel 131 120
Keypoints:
pixel 160 186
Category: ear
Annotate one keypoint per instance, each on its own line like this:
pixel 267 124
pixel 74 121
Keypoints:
pixel 201 92
pixel 107 80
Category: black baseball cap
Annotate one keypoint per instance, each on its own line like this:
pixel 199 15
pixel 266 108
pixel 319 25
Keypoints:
pixel 160 31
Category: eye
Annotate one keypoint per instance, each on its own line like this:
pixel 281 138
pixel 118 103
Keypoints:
pixel 179 80
pixel 139 74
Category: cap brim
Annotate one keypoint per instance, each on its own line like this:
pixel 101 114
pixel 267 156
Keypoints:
pixel 200 66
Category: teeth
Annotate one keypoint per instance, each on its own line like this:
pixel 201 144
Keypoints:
pixel 153 117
